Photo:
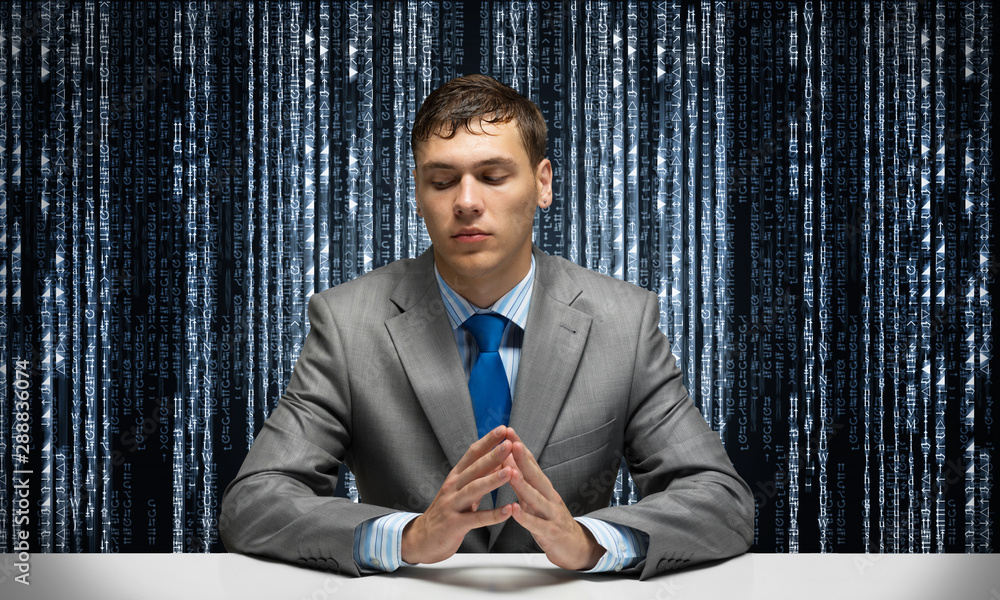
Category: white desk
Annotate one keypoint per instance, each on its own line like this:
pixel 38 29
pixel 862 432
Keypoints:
pixel 756 576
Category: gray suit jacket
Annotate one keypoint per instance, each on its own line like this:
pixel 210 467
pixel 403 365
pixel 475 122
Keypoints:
pixel 379 386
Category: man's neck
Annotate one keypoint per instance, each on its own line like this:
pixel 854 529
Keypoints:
pixel 484 291
pixel 480 294
pixel 483 296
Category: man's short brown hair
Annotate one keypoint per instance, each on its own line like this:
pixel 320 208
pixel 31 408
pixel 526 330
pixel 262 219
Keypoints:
pixel 473 100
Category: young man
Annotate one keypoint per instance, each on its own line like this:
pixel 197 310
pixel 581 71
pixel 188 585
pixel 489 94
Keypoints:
pixel 457 446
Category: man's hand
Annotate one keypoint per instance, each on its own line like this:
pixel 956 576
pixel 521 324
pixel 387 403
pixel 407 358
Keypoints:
pixel 542 512
pixel 437 534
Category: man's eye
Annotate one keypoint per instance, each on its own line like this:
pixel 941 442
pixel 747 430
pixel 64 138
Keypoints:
pixel 494 178
pixel 440 185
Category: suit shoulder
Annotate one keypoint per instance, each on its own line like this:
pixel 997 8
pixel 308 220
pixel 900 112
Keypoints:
pixel 598 285
pixel 372 287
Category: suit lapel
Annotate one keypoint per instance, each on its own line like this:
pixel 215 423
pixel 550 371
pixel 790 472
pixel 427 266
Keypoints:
pixel 425 343
pixel 554 339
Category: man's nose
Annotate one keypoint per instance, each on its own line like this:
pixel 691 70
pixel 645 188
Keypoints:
pixel 469 198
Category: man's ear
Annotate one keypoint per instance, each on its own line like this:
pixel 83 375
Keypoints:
pixel 543 177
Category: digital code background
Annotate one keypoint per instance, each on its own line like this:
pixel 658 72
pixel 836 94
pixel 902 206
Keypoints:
pixel 806 185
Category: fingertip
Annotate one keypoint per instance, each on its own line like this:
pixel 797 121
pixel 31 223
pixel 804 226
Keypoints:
pixel 522 450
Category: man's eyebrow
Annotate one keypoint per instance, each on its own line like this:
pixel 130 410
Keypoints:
pixel 498 161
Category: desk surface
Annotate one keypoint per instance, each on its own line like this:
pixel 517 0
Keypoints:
pixel 757 576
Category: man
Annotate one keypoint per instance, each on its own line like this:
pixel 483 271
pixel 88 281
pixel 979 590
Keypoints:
pixel 390 383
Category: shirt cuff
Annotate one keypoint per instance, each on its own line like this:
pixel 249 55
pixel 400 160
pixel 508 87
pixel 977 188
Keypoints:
pixel 624 546
pixel 378 542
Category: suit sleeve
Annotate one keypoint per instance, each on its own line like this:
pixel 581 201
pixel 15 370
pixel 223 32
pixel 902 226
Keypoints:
pixel 281 503
pixel 694 506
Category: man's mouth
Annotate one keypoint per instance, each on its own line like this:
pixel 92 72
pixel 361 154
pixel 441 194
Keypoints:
pixel 470 235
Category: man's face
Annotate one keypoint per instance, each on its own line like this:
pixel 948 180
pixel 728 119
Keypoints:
pixel 477 194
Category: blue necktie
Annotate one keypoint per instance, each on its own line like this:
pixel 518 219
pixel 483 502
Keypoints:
pixel 488 384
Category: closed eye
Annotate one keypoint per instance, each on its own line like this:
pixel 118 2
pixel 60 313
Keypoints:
pixel 440 185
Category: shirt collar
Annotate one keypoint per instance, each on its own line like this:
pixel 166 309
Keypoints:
pixel 513 304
